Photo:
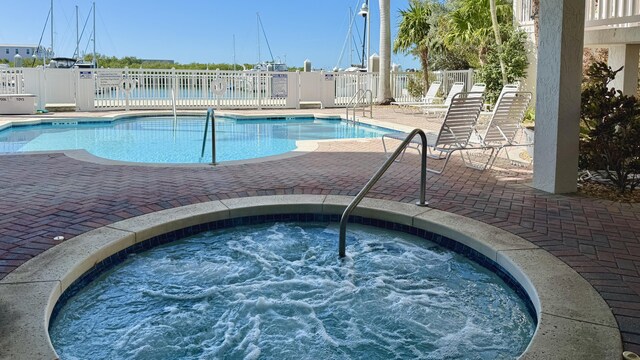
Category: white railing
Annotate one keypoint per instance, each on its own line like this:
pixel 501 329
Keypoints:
pixel 349 83
pixel 139 89
pixel 151 89
pixel 618 13
pixel 524 12
pixel 452 76
pixel 598 13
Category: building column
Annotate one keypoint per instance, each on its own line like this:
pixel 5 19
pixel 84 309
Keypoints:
pixel 627 56
pixel 558 95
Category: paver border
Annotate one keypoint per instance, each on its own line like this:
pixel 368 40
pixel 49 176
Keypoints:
pixel 573 320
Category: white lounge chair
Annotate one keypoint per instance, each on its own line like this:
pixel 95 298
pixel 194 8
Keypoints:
pixel 478 87
pixel 429 98
pixel 505 123
pixel 506 88
pixel 457 129
pixel 456 88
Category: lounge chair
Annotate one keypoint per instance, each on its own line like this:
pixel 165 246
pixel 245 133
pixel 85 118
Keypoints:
pixel 429 98
pixel 456 88
pixel 505 123
pixel 506 88
pixel 457 129
pixel 478 87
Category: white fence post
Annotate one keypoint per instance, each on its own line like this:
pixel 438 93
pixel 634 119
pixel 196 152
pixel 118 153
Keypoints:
pixel 126 92
pixel 85 89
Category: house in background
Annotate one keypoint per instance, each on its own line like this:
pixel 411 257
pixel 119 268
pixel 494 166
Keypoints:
pixel 612 24
pixel 9 51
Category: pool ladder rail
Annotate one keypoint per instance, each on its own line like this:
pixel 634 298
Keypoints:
pixel 359 100
pixel 173 105
pixel 210 115
pixel 423 179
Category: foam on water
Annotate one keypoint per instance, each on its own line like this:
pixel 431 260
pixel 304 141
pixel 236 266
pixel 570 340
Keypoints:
pixel 280 291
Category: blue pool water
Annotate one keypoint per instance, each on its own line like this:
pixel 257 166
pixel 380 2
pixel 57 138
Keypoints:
pixel 279 291
pixel 162 140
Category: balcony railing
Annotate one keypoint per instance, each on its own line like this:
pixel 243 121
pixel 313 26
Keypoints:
pixel 613 13
pixel 598 13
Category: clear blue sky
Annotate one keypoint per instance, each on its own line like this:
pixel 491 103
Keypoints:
pixel 202 30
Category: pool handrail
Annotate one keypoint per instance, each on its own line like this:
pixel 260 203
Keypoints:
pixel 423 179
pixel 210 115
pixel 361 94
pixel 173 103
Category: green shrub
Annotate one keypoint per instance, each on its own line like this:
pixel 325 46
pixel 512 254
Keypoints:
pixel 610 129
pixel 514 54
pixel 415 86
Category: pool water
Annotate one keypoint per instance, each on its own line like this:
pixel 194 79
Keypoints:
pixel 163 140
pixel 279 291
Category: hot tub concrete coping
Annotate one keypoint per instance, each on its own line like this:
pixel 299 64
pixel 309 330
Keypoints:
pixel 573 320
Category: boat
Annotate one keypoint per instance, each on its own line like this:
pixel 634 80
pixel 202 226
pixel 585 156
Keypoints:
pixel 68 63
pixel 272 65
pixel 75 61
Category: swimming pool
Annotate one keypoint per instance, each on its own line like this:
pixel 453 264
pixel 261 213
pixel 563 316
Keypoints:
pixel 163 140
pixel 278 290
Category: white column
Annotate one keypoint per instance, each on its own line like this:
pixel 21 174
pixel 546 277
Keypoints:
pixel 558 95
pixel 627 56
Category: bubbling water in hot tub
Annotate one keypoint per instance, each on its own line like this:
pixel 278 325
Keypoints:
pixel 280 291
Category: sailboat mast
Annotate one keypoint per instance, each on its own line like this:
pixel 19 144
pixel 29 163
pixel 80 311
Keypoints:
pixel 234 52
pixel 76 54
pixel 350 37
pixel 258 26
pixel 95 59
pixel 52 28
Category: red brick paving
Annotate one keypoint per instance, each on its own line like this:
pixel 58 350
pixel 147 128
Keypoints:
pixel 42 196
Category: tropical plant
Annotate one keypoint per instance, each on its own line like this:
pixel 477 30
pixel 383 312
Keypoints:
pixel 514 58
pixel 470 23
pixel 415 86
pixel 610 130
pixel 384 96
pixel 498 38
pixel 414 33
pixel 442 57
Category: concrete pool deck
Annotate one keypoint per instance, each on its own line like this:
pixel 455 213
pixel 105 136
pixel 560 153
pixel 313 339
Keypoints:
pixel 46 195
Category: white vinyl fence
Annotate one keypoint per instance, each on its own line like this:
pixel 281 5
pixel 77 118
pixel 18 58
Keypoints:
pixel 139 89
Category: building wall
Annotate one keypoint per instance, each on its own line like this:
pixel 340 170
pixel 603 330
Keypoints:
pixel 8 52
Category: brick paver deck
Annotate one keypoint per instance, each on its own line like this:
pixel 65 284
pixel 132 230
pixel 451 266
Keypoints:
pixel 45 195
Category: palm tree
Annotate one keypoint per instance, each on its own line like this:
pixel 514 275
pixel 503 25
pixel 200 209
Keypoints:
pixel 473 23
pixel 413 34
pixel 496 32
pixel 384 94
pixel 535 10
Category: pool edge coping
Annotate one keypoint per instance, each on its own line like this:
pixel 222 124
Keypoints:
pixel 583 328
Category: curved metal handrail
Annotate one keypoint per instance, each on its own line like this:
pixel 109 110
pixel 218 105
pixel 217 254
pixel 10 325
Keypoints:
pixel 357 99
pixel 423 179
pixel 210 115
pixel 173 103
